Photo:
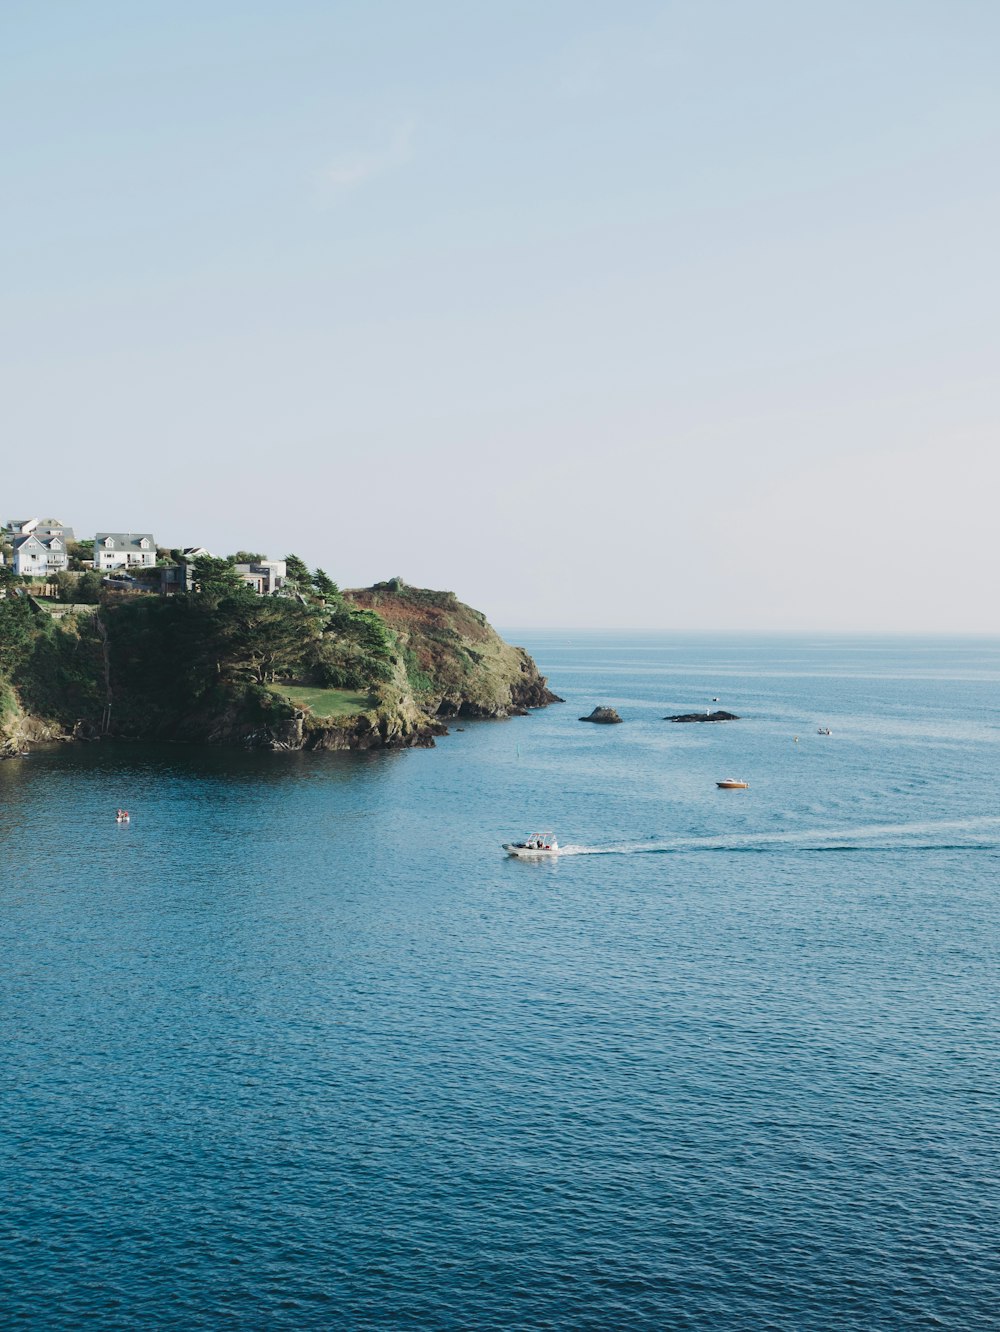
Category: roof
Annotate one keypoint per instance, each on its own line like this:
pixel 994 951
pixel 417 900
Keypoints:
pixel 124 540
pixel 16 526
pixel 42 539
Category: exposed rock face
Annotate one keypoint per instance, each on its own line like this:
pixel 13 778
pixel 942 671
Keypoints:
pixel 703 717
pixel 605 716
pixel 385 732
pixel 19 731
pixel 381 729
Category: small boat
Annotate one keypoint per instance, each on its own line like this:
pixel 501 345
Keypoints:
pixel 731 784
pixel 824 730
pixel 539 846
pixel 122 816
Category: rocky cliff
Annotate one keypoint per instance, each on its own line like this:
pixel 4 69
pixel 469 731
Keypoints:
pixel 127 673
pixel 456 664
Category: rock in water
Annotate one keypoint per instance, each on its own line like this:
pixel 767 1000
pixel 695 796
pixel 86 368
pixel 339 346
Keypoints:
pixel 703 717
pixel 606 716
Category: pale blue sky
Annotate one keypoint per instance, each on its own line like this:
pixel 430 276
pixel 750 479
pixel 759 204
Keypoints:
pixel 679 315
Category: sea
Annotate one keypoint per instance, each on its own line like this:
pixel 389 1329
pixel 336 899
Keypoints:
pixel 299 1047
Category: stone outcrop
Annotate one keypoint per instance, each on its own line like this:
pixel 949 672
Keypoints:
pixel 603 716
pixel 20 730
pixel 703 717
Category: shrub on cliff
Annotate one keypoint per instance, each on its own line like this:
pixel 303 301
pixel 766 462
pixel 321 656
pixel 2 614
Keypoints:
pixel 18 624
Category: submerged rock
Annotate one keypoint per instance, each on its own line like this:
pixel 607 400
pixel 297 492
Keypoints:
pixel 604 716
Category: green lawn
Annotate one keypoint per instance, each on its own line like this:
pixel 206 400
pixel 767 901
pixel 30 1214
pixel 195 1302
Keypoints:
pixel 325 702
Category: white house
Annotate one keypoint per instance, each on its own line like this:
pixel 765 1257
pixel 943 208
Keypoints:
pixel 124 550
pixel 16 527
pixel 42 551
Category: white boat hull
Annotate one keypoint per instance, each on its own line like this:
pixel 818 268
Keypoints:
pixel 530 852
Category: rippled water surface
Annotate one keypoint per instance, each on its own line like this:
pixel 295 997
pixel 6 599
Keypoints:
pixel 299 1048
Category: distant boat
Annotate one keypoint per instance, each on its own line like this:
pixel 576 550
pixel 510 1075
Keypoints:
pixel 539 846
pixel 731 784
pixel 824 730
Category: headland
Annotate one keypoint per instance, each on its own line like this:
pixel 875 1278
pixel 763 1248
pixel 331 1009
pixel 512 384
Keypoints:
pixel 218 663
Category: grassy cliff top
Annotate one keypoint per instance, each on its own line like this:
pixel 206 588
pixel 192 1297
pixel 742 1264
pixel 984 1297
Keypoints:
pixel 405 608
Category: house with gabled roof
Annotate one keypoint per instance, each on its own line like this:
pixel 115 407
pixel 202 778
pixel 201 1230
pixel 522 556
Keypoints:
pixel 42 550
pixel 124 550
pixel 15 527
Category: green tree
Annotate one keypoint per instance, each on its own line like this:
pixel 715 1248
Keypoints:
pixel 271 636
pixel 325 585
pixel 16 630
pixel 77 552
pixel 368 629
pixel 216 581
pixel 88 589
pixel 298 573
pixel 247 557
pixel 66 583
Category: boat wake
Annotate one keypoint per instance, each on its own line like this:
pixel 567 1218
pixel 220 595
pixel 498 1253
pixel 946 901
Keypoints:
pixel 981 834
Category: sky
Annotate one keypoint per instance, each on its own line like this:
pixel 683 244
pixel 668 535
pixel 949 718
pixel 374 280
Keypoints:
pixel 679 316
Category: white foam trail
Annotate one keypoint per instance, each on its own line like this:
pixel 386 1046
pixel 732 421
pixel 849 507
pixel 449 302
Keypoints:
pixel 791 838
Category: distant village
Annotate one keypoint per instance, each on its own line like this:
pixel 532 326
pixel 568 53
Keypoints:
pixel 44 551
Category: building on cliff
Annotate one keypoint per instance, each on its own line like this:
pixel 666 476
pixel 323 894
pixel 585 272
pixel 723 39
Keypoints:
pixel 15 527
pixel 264 576
pixel 40 549
pixel 124 550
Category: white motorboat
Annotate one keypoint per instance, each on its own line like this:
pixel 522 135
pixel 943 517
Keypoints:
pixel 539 846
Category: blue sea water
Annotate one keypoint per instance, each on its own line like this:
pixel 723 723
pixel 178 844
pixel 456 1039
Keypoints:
pixel 300 1048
